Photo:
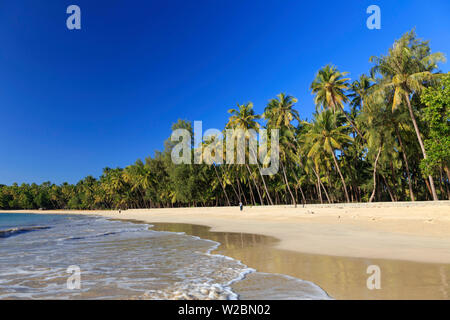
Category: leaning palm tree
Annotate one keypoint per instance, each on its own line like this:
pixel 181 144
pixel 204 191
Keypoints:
pixel 406 70
pixel 329 86
pixel 326 134
pixel 360 90
pixel 244 118
pixel 378 125
pixel 210 159
pixel 279 114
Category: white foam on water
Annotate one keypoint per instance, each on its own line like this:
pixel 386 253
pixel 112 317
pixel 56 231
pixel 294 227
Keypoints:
pixel 122 260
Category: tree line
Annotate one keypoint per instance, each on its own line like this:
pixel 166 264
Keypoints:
pixel 393 144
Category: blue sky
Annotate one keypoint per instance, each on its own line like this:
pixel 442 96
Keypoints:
pixel 75 101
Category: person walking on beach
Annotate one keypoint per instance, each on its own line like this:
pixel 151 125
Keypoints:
pixel 241 205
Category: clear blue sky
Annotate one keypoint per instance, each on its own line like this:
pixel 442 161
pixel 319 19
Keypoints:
pixel 74 102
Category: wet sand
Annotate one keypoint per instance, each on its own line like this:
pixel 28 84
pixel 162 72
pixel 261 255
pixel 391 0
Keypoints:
pixel 340 277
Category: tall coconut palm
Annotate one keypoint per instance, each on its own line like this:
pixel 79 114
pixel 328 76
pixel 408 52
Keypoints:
pixel 280 111
pixel 244 118
pixel 378 125
pixel 329 86
pixel 360 91
pixel 326 134
pixel 210 158
pixel 279 114
pixel 406 70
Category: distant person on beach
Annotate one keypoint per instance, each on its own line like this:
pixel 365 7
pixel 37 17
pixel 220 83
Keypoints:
pixel 120 211
pixel 241 206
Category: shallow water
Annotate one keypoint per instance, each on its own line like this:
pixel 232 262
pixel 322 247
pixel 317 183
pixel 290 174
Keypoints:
pixel 340 277
pixel 123 260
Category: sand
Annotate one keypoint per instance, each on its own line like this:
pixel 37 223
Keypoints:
pixel 418 232
pixel 331 245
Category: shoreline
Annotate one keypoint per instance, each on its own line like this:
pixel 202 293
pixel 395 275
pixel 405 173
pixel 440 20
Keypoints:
pixel 416 231
pixel 261 237
pixel 339 277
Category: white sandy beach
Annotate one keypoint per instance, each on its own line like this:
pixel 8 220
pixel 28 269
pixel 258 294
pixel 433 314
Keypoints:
pixel 417 231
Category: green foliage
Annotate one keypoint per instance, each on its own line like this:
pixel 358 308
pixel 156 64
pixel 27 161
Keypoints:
pixel 437 115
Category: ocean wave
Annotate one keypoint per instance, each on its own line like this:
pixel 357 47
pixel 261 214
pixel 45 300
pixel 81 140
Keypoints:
pixel 18 230
pixel 191 291
pixel 278 287
pixel 104 234
pixel 91 236
pixel 124 260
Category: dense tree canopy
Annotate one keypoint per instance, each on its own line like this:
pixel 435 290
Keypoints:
pixel 392 145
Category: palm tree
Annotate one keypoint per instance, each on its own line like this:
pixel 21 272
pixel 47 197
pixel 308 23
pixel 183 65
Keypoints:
pixel 210 158
pixel 326 134
pixel 329 86
pixel 378 124
pixel 280 111
pixel 359 91
pixel 406 70
pixel 279 114
pixel 244 118
pixel 405 159
pixel 134 175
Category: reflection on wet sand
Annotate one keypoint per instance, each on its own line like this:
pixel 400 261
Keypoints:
pixel 340 277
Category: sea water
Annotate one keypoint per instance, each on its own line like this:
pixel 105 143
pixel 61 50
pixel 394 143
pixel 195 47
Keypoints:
pixel 120 260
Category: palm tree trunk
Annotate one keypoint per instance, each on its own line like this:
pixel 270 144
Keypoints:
pixel 340 174
pixel 329 181
pixel 300 187
pixel 303 195
pixel 241 191
pixel 319 191
pixel 394 191
pixel 287 184
pixel 265 187
pixel 324 189
pixel 375 175
pixel 238 196
pixel 447 171
pixel 262 178
pixel 441 181
pixel 388 188
pixel 254 181
pixel 427 183
pixel 221 184
pixel 252 196
pixel 422 147
pixel 348 118
pixel 411 193
pixel 445 184
pixel 235 192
